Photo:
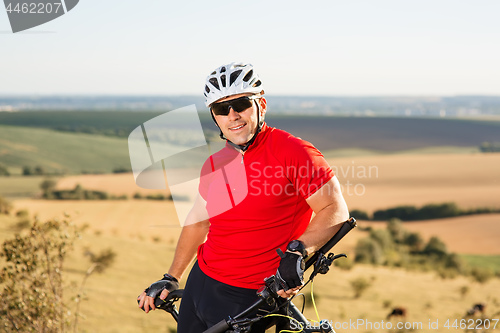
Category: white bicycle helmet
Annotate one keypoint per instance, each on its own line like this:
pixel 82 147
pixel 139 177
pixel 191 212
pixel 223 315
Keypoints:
pixel 234 78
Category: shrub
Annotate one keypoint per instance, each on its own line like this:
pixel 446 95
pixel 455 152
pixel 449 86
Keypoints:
pixel 32 294
pixel 395 228
pixel 27 171
pixel 4 171
pixel 490 147
pixel 383 238
pixel 414 241
pixel 5 206
pixel 47 186
pixel 23 213
pixel 481 274
pixel 359 286
pixel 39 170
pixel 454 261
pixel 447 273
pixel 369 251
pixel 464 290
pixel 359 214
pixel 122 170
pixel 435 247
pixel 157 196
pixel 23 223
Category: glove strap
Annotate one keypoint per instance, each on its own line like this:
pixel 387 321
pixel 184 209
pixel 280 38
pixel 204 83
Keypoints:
pixel 169 277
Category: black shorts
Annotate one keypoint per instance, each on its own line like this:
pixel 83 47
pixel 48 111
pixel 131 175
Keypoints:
pixel 206 302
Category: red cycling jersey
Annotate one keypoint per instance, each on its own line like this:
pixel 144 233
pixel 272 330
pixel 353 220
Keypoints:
pixel 253 215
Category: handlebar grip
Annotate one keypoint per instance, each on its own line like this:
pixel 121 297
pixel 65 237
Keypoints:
pixel 346 227
pixel 172 297
pixel 220 327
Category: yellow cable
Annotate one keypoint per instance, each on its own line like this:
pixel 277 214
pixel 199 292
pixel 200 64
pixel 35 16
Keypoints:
pixel 286 331
pixel 293 319
pixel 313 302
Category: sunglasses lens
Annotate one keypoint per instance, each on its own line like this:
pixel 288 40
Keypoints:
pixel 238 105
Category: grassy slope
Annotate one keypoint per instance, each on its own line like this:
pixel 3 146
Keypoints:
pixel 492 261
pixel 68 152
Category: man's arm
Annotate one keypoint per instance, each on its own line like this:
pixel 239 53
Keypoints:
pixel 193 234
pixel 330 211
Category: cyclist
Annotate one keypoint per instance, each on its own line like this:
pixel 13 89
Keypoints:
pixel 287 181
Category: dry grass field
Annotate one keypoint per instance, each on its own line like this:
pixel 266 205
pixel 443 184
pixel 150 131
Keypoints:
pixel 377 182
pixel 143 234
pixel 110 305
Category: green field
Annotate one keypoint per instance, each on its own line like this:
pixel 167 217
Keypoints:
pixel 61 152
pixel 485 261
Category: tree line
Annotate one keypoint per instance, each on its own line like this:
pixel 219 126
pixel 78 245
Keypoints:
pixel 426 212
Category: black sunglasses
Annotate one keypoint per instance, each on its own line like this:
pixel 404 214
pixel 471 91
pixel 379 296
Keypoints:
pixel 238 105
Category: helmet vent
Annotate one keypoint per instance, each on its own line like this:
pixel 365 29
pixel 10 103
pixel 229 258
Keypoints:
pixel 248 76
pixel 234 76
pixel 223 80
pixel 207 89
pixel 213 73
pixel 223 69
pixel 214 82
pixel 257 84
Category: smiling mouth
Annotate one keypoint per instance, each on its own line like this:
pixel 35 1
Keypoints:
pixel 236 127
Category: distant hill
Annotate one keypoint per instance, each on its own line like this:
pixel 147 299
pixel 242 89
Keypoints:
pixel 331 105
pixel 387 134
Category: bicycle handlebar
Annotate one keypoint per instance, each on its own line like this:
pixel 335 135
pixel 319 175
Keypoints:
pixel 220 327
pixel 346 227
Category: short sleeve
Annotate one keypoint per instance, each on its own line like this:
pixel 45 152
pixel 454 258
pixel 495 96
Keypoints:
pixel 305 166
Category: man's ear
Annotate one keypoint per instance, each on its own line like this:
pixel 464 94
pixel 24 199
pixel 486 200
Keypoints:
pixel 263 105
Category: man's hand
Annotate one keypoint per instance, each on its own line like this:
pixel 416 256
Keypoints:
pixel 290 274
pixel 162 287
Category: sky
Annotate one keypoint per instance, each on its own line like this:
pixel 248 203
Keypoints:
pixel 332 47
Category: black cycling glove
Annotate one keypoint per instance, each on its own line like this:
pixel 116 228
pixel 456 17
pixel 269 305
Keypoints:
pixel 290 273
pixel 168 282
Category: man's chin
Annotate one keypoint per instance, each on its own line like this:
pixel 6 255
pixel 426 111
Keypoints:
pixel 239 141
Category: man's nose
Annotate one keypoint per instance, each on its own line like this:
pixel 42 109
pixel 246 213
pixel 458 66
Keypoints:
pixel 233 114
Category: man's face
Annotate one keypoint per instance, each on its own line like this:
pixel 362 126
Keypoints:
pixel 240 127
